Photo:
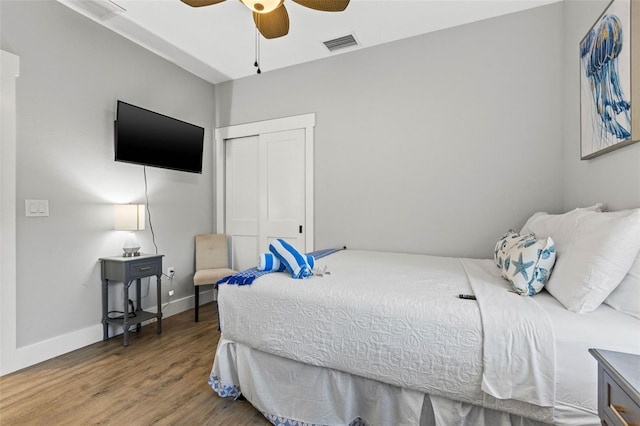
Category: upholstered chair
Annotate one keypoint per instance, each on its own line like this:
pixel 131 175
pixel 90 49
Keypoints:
pixel 212 263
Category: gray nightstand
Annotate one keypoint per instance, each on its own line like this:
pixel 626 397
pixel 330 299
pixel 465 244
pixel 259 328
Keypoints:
pixel 618 387
pixel 126 270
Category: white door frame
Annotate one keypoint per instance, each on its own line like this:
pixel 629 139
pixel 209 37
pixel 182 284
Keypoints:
pixel 9 360
pixel 305 121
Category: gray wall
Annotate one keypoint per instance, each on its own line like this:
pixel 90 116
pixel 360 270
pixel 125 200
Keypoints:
pixel 613 178
pixel 72 73
pixel 436 144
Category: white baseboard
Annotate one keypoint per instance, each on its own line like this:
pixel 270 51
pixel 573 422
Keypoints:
pixel 41 351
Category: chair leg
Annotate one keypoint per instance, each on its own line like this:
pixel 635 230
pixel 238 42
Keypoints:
pixel 197 292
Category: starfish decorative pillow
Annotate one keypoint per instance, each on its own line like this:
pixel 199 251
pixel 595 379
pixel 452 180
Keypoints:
pixel 526 262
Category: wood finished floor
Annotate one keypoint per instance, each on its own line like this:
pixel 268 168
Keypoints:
pixel 157 380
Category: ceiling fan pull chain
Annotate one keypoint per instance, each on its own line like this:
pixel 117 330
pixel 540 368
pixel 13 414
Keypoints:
pixel 257 62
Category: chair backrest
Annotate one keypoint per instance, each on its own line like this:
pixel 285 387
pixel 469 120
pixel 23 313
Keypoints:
pixel 211 251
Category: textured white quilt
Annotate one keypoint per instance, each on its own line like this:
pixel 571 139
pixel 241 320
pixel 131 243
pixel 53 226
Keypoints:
pixel 396 318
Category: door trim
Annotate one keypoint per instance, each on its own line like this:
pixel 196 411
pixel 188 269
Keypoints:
pixel 9 361
pixel 221 134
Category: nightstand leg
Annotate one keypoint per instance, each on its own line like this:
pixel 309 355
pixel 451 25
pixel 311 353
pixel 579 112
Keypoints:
pixel 125 320
pixel 105 310
pixel 138 291
pixel 159 312
pixel 138 302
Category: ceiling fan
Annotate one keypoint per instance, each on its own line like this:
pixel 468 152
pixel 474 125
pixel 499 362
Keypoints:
pixel 271 17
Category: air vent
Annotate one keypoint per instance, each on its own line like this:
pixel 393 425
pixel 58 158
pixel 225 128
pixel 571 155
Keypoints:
pixel 340 43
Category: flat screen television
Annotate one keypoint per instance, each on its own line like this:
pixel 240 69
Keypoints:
pixel 151 139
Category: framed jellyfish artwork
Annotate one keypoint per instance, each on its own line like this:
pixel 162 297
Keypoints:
pixel 607 113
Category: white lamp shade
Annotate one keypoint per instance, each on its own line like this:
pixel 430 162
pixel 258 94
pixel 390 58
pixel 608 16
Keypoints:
pixel 262 6
pixel 129 217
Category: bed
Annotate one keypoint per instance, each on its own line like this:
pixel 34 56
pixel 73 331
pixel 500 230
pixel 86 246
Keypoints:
pixel 386 339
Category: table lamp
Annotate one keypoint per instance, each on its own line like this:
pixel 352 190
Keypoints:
pixel 130 217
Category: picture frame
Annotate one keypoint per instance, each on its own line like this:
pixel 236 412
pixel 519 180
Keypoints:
pixel 609 53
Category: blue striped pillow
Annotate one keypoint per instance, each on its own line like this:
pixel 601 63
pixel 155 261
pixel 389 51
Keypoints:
pixel 295 262
pixel 269 262
pixel 311 261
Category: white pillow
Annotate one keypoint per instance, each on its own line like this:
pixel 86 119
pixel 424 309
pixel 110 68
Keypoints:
pixel 528 264
pixel 561 226
pixel 626 297
pixel 594 252
pixel 599 207
pixel 558 222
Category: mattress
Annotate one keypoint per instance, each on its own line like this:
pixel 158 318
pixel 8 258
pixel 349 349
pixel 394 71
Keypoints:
pixel 396 319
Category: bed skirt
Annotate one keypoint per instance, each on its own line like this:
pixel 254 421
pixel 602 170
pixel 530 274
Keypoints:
pixel 288 392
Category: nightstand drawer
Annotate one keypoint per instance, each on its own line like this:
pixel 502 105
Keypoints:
pixel 619 408
pixel 144 268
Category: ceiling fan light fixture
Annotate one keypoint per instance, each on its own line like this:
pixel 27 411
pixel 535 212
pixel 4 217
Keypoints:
pixel 262 6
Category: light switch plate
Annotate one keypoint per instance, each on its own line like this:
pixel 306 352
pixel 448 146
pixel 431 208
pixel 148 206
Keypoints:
pixel 36 208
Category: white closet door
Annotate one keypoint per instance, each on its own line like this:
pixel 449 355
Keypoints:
pixel 265 193
pixel 241 195
pixel 282 188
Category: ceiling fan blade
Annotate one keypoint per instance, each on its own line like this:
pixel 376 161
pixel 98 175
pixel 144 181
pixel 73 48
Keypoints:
pixel 200 3
pixel 273 24
pixel 324 5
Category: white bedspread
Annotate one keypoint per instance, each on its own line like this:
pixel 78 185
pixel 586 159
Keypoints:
pixel 519 349
pixel 399 321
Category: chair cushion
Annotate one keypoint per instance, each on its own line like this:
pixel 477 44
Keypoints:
pixel 211 276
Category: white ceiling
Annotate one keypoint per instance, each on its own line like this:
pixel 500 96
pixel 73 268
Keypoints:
pixel 218 42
